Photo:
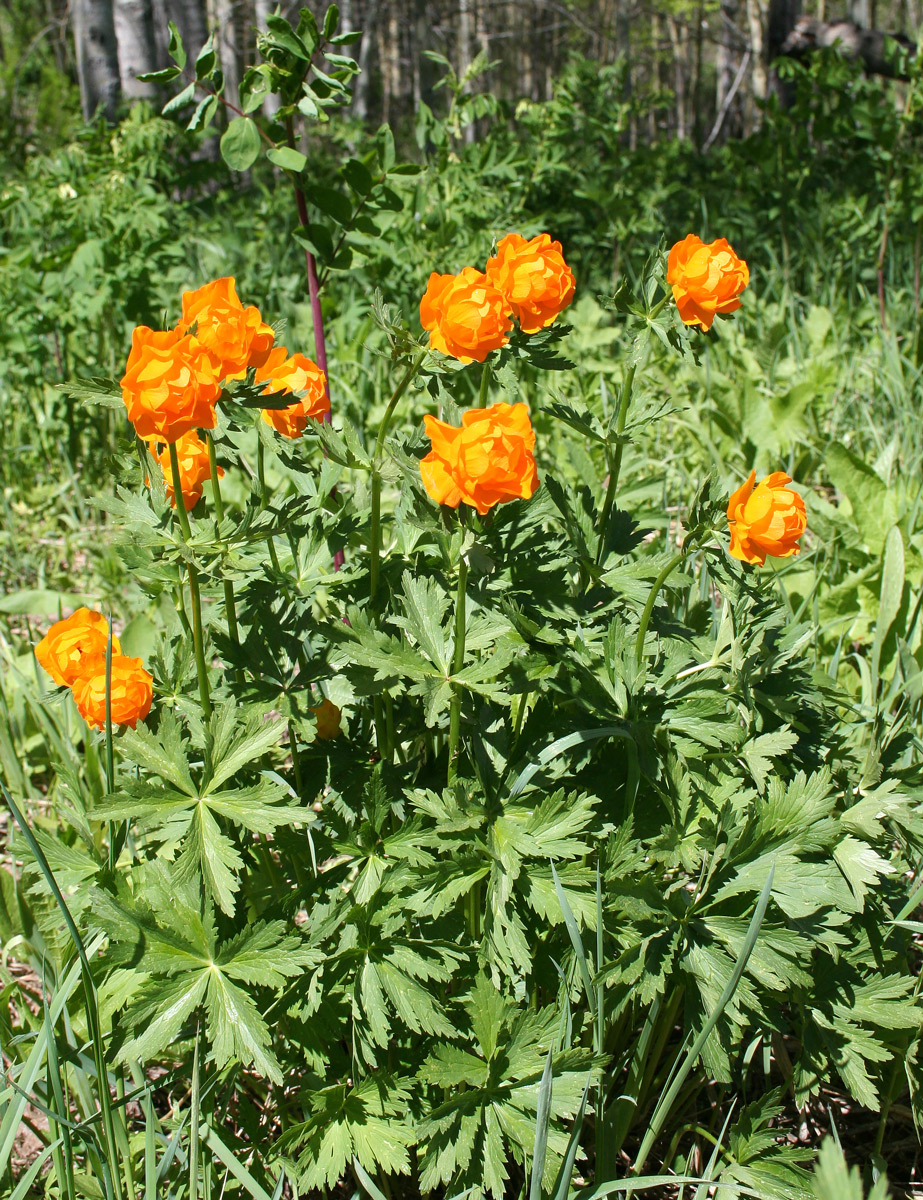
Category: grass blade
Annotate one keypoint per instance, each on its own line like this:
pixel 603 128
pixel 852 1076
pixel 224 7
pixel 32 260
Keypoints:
pixel 542 1120
pixel 566 1171
pixel 558 747
pixel 667 1100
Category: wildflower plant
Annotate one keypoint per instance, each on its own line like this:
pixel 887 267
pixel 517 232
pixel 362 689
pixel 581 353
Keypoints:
pixel 472 831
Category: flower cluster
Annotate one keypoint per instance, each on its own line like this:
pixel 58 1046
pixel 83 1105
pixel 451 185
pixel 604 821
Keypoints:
pixel 470 314
pixel 489 458
pixel 765 520
pixel 73 652
pixel 173 379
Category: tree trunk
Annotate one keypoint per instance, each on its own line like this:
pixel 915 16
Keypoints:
pixel 363 86
pixel 137 47
pixel 261 10
pixel 191 19
pixel 225 21
pixel 679 77
pixel 97 56
pixel 758 49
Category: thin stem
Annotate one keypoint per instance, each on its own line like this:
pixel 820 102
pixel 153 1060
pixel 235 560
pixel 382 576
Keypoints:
pixel 296 762
pixel 375 530
pixel 194 596
pixel 264 501
pixel 615 462
pixel 91 999
pixel 110 751
pixel 194 1120
pixel 392 403
pixel 649 607
pixel 458 661
pixel 230 606
pixel 485 385
pixel 317 316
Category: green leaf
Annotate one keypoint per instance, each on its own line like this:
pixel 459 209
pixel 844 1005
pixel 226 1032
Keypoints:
pixel 240 143
pixel 288 159
pixel 873 503
pixel 244 745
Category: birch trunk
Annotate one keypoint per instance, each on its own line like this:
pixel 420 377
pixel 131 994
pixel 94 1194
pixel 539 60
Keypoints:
pixel 97 56
pixel 137 47
pixel 758 49
pixel 261 10
pixel 191 19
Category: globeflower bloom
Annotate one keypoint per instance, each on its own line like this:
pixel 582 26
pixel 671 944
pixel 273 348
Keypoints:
pixel 194 468
pixel 767 520
pixel 328 720
pixel 484 462
pixel 234 336
pixel 466 314
pixel 170 385
pixel 706 279
pixel 534 278
pixel 74 646
pixel 296 374
pixel 131 691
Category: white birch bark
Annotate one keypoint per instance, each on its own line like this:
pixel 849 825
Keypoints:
pixel 97 56
pixel 137 48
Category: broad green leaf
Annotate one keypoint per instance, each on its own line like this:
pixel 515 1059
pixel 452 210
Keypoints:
pixel 240 143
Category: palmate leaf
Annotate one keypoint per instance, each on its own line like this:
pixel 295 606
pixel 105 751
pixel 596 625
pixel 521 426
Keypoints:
pixel 366 1122
pixel 468 1140
pixel 209 854
pixel 180 977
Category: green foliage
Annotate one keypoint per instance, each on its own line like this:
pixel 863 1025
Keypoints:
pixel 589 848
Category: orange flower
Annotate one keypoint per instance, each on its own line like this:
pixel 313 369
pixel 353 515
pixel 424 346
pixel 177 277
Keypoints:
pixel 328 720
pixel 296 374
pixel 767 520
pixel 132 692
pixel 170 385
pixel 72 647
pixel 706 279
pixel 235 337
pixel 194 468
pixel 486 461
pixel 534 277
pixel 466 314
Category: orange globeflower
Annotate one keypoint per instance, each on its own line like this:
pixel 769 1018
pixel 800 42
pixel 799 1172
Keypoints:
pixel 706 279
pixel 534 277
pixel 132 692
pixel 466 314
pixel 170 385
pixel 486 461
pixel 236 337
pixel 767 520
pixel 328 720
pixel 290 375
pixel 194 468
pixel 72 647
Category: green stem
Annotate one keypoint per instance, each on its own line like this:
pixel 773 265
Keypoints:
pixel 649 607
pixel 296 762
pixel 194 1118
pixel 195 598
pixel 458 660
pixel 230 607
pixel 392 403
pixel 264 501
pixel 381 739
pixel 615 462
pixel 485 385
pixel 110 752
pixel 91 999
